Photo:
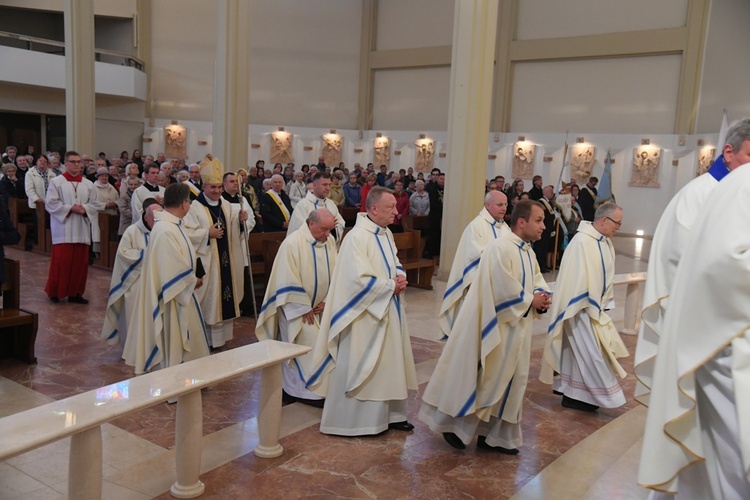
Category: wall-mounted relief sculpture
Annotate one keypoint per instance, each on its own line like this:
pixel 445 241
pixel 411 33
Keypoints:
pixel 425 154
pixel 281 147
pixel 331 153
pixel 175 141
pixel 581 163
pixel 523 160
pixel 382 152
pixel 645 167
pixel 705 159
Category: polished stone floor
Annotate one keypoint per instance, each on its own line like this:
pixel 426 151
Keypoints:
pixel 567 454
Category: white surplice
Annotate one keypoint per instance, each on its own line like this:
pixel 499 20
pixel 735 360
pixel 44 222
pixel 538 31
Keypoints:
pixel 68 227
pixel 309 203
pixel 362 362
pixel 197 223
pixel 141 194
pixel 699 412
pixel 170 326
pixel 249 224
pixel 582 342
pixel 477 235
pixel 480 379
pixel 125 287
pixel 299 281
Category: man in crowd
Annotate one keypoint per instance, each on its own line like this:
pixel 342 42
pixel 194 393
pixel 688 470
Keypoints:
pixel 587 199
pixel 126 281
pixel 545 245
pixel 536 192
pixel 480 379
pixel 669 244
pixel 72 206
pixel 170 329
pixel 295 298
pixel 363 362
pixel 313 200
pixel 486 227
pixel 10 155
pixel 435 193
pixel 696 442
pixel 149 189
pixel 214 230
pixel 582 342
pixel 195 179
pixel 239 203
pixel 275 206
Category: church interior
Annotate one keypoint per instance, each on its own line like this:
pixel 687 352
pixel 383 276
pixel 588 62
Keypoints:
pixel 603 77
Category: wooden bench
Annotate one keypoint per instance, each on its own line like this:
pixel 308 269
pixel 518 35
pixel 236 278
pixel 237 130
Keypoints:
pixel 44 235
pixel 80 417
pixel 419 271
pixel 420 223
pixel 18 326
pixel 349 215
pixel 108 226
pixel 19 210
pixel 258 262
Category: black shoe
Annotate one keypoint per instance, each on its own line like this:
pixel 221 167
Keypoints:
pixel 482 444
pixel 557 393
pixel 454 440
pixel 401 426
pixel 546 270
pixel 54 300
pixel 577 405
pixel 78 299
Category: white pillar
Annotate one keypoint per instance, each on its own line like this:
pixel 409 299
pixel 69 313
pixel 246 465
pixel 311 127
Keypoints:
pixel 80 102
pixel 85 464
pixel 231 84
pixel 269 413
pixel 188 437
pixel 632 309
pixel 470 106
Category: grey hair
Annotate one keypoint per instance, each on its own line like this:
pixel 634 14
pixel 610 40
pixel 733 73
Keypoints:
pixel 606 209
pixel 266 182
pixel 738 133
pixel 274 176
pixel 182 176
pixel 420 182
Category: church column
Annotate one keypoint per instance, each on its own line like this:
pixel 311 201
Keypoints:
pixel 231 84
pixel 472 67
pixel 80 97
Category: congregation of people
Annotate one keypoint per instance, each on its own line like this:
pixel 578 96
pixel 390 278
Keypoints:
pixel 182 275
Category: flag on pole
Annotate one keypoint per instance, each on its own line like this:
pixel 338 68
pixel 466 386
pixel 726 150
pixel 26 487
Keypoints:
pixel 562 196
pixel 605 193
pixel 722 134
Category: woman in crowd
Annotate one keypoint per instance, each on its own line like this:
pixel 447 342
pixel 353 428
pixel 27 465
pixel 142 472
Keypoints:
pixel 297 189
pixel 419 202
pixel 402 206
pixel 352 192
pixel 337 190
pixel 371 181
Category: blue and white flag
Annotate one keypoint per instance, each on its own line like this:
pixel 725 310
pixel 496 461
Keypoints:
pixel 605 193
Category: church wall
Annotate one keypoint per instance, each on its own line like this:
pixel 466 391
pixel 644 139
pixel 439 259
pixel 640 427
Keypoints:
pixel 112 8
pixel 411 99
pixel 415 23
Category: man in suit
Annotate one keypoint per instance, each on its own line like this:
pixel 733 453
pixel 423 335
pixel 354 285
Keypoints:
pixel 275 206
pixel 536 193
pixel 545 244
pixel 587 198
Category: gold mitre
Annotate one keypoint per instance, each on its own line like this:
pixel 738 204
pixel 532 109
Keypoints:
pixel 212 170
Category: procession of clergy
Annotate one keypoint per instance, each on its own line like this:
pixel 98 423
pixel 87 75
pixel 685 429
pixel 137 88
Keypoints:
pixel 178 281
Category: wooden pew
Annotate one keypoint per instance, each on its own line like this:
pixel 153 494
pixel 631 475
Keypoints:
pixel 19 210
pixel 18 326
pixel 257 261
pixel 419 271
pixel 349 215
pixel 420 223
pixel 108 226
pixel 43 235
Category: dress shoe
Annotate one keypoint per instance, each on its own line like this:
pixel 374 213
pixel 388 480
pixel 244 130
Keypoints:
pixel 401 426
pixel 454 440
pixel 78 299
pixel 578 405
pixel 557 393
pixel 482 444
pixel 54 300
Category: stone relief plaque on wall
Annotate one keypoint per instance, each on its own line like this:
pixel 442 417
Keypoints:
pixel 175 140
pixel 425 155
pixel 581 163
pixel 645 167
pixel 382 152
pixel 332 149
pixel 281 147
pixel 523 160
pixel 705 159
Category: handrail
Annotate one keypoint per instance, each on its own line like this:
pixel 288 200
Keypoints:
pixel 129 59
pixel 80 417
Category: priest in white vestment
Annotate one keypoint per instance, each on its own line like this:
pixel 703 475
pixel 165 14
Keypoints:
pixel 149 189
pixel 214 229
pixel 669 244
pixel 698 420
pixel 478 385
pixel 170 326
pixel 124 289
pixel 582 342
pixel 486 227
pixel 313 200
pixel 363 362
pixel 295 298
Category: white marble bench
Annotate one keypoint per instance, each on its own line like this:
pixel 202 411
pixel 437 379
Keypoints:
pixel 80 417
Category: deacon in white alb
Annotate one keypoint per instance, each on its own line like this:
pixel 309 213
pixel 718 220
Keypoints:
pixel 486 227
pixel 582 342
pixel 363 362
pixel 149 189
pixel 295 298
pixel 315 199
pixel 480 379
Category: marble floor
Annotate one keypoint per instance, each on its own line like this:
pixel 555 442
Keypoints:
pixel 567 454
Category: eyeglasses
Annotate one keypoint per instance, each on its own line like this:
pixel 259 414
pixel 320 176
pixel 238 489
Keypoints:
pixel 618 224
